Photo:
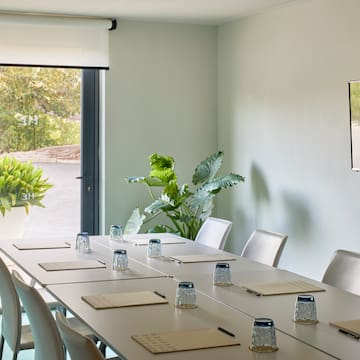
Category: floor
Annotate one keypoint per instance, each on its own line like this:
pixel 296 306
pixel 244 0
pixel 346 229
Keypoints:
pixel 61 215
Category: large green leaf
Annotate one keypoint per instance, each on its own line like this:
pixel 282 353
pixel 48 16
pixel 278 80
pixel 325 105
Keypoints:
pixel 151 181
pixel 161 204
pixel 134 222
pixel 208 168
pixel 202 203
pixel 162 167
pixel 222 182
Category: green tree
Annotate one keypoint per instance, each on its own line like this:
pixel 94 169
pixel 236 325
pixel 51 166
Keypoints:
pixel 36 108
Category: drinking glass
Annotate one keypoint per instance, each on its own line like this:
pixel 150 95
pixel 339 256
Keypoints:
pixel 116 232
pixel 185 295
pixel 120 260
pixel 154 248
pixel 83 242
pixel 222 275
pixel 305 310
pixel 263 339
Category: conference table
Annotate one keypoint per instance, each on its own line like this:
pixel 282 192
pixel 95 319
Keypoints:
pixel 232 307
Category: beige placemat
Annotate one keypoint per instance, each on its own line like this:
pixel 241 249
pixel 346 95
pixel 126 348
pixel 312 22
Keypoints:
pixel 144 242
pixel 109 301
pixel 281 288
pixel 41 245
pixel 72 265
pixel 202 258
pixel 351 327
pixel 158 343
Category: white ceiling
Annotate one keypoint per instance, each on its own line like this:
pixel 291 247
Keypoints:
pixel 197 11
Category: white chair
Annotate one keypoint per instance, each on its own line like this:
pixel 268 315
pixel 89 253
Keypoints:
pixel 18 337
pixel 50 301
pixel 265 247
pixel 343 271
pixel 214 232
pixel 48 343
pixel 79 346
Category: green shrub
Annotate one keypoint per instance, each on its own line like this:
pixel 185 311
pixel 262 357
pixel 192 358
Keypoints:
pixel 21 184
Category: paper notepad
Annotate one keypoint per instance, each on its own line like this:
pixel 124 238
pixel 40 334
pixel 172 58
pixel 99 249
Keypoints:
pixel 144 242
pixel 41 245
pixel 109 301
pixel 201 258
pixel 184 340
pixel 281 288
pixel 72 265
pixel 351 327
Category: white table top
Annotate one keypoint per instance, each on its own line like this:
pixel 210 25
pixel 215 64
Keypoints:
pixel 29 261
pixel 178 270
pixel 117 325
pixel 332 305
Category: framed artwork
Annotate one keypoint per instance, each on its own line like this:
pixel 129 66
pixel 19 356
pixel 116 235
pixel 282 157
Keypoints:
pixel 354 102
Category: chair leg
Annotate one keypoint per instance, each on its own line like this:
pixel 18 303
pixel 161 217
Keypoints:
pixel 15 355
pixel 61 309
pixel 2 339
pixel 102 348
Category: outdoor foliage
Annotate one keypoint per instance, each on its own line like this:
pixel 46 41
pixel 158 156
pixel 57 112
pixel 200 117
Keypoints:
pixel 36 105
pixel 186 209
pixel 21 184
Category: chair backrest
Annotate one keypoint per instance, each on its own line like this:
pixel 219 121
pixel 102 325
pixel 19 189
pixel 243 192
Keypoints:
pixel 11 309
pixel 264 247
pixel 343 271
pixel 214 232
pixel 79 346
pixel 48 344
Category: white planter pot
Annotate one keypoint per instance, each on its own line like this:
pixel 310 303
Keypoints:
pixel 12 224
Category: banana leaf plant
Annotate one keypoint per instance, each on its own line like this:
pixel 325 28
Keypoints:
pixel 186 208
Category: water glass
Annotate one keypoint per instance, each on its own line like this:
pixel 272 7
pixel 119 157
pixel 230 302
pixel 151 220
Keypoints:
pixel 185 295
pixel 305 310
pixel 263 339
pixel 154 248
pixel 120 260
pixel 222 275
pixel 116 232
pixel 83 242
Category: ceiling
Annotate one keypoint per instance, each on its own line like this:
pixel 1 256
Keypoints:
pixel 195 11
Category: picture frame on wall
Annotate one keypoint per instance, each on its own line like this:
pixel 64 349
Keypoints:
pixel 354 105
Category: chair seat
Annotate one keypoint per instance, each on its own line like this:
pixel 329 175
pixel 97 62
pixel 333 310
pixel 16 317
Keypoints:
pixel 26 340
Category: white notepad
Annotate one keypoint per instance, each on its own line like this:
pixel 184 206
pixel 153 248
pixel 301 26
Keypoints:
pixel 174 341
pixel 41 245
pixel 72 265
pixel 109 301
pixel 281 288
pixel 202 258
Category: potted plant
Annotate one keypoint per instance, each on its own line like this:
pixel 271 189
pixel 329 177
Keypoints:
pixel 186 208
pixel 22 185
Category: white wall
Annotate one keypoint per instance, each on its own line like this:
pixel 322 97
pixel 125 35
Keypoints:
pixel 160 97
pixel 284 119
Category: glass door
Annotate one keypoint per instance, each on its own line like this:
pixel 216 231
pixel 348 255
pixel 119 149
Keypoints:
pixel 50 116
